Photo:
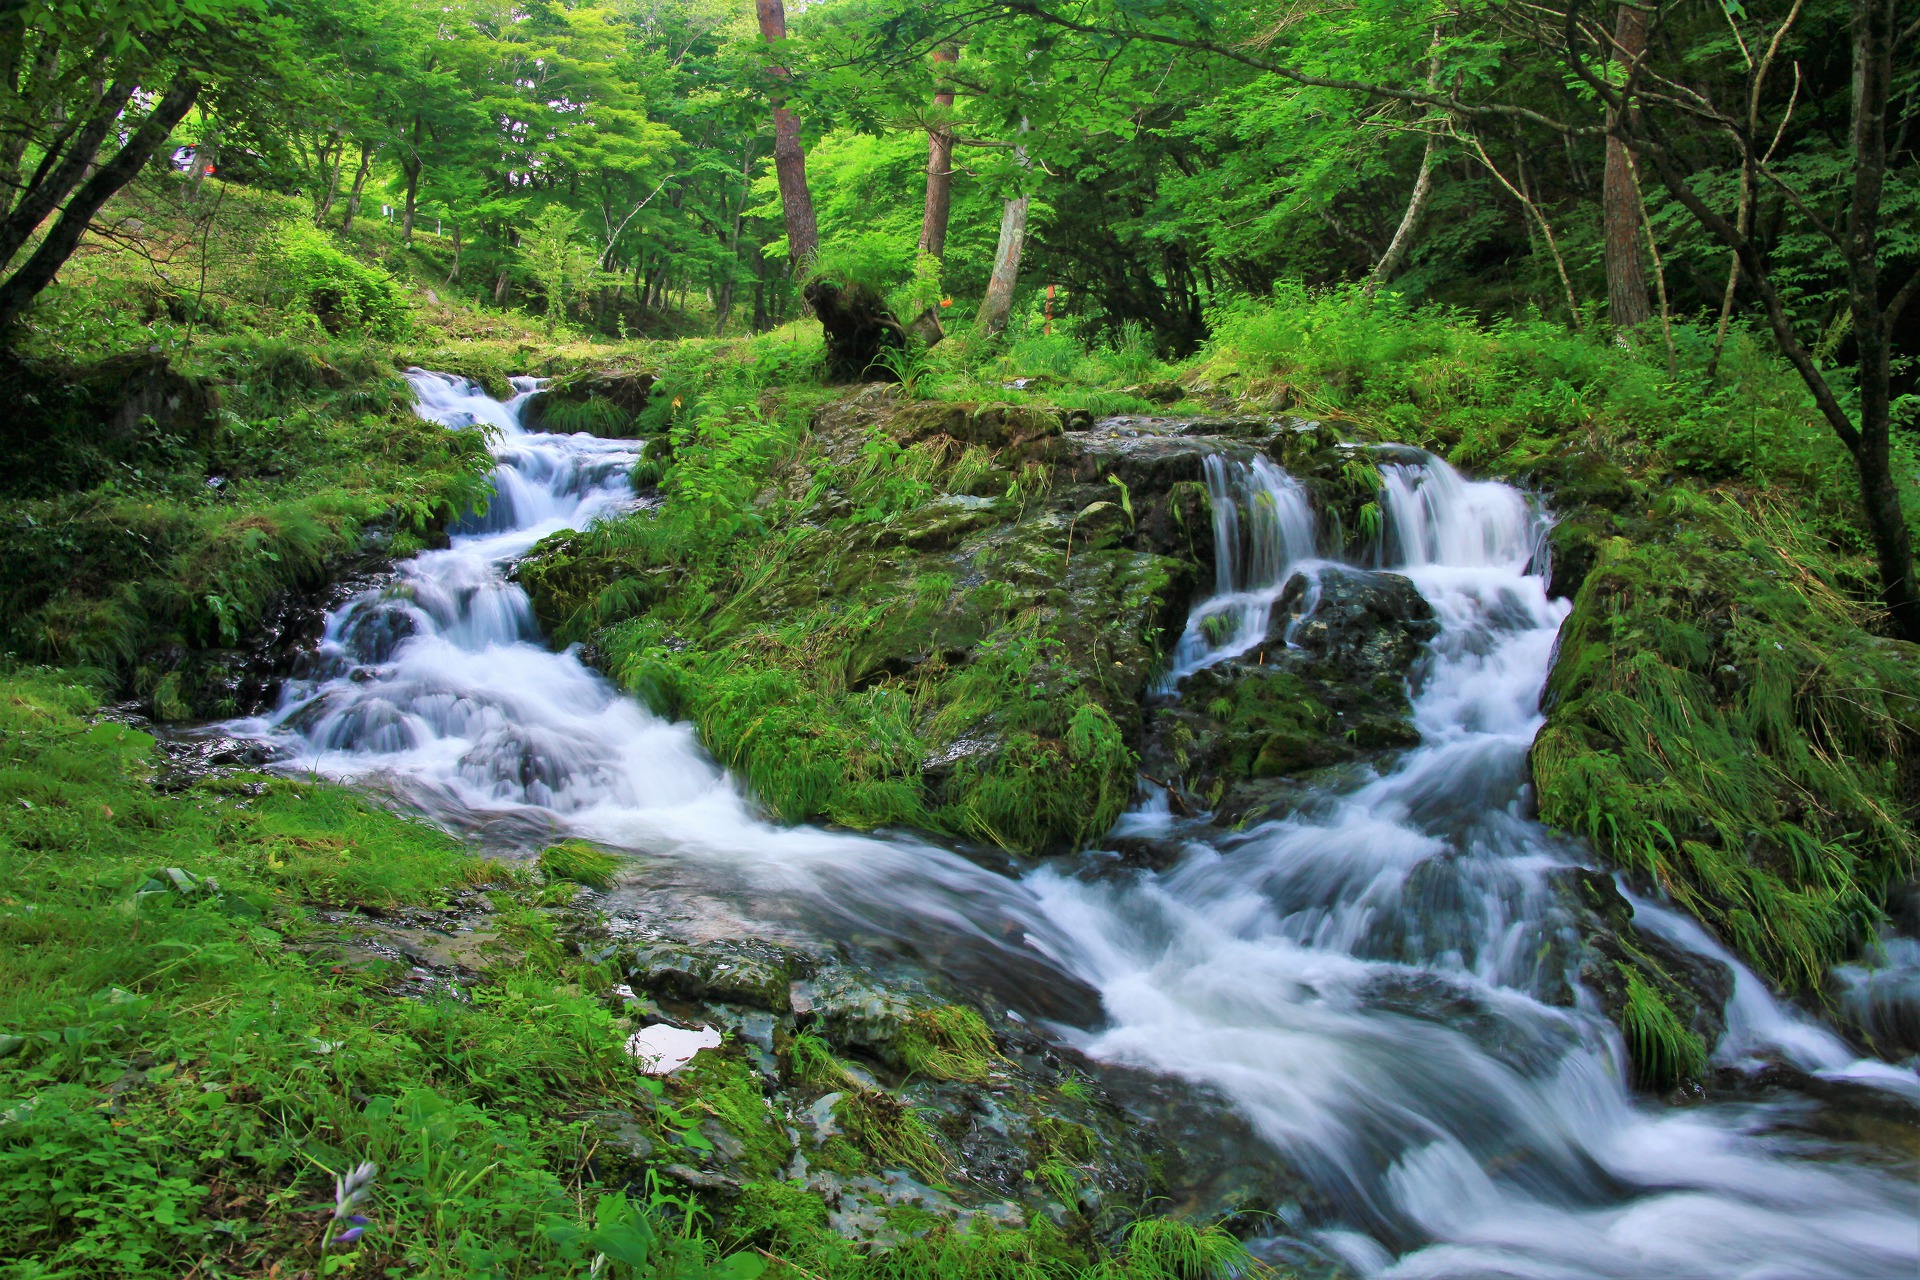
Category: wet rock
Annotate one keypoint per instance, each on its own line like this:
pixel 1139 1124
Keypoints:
pixel 1360 623
pixel 745 971
pixel 1879 998
pixel 1613 958
pixel 1251 737
pixel 604 403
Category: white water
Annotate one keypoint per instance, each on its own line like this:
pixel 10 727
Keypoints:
pixel 1369 984
pixel 1760 1029
pixel 1262 532
pixel 437 688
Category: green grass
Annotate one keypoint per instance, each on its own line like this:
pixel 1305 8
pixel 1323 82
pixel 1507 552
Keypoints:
pixel 189 1053
pixel 134 554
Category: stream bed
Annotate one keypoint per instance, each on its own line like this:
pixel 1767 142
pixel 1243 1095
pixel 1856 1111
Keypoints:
pixel 1371 983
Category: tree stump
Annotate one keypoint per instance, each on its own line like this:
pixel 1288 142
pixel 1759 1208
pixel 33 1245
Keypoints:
pixel 858 327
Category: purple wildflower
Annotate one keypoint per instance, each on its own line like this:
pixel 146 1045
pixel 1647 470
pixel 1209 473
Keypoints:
pixel 348 1191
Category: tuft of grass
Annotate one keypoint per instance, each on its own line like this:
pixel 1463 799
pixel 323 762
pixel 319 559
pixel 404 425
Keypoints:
pixel 882 1125
pixel 951 1042
pixel 579 862
pixel 1664 1053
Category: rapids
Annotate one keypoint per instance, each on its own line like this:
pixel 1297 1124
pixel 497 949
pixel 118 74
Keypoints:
pixel 1372 982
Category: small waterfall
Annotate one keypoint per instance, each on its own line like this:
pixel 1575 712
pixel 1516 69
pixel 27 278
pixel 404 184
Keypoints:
pixel 1378 985
pixel 1263 529
pixel 1760 1028
pixel 1372 983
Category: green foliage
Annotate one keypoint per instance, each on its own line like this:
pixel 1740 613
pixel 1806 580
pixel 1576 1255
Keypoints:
pixel 338 291
pixel 557 259
pixel 132 562
pixel 192 1063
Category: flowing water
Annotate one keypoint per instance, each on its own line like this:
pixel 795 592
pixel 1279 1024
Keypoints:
pixel 1375 983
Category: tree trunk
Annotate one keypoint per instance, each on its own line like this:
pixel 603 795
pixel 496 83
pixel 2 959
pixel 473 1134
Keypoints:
pixel 205 156
pixel 455 273
pixel 359 180
pixel 1627 303
pixel 38 271
pixel 13 145
pixel 330 158
pixel 998 304
pixel 411 167
pixel 53 179
pixel 1873 45
pixel 933 222
pixel 1402 242
pixel 789 159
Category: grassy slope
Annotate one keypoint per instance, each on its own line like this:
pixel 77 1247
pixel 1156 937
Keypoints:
pixel 188 1053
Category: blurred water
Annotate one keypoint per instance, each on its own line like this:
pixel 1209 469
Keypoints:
pixel 1376 982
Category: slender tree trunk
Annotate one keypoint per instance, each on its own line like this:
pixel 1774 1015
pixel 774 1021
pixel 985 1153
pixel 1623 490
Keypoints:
pixel 13 145
pixel 37 272
pixel 789 159
pixel 1627 304
pixel 760 319
pixel 1402 242
pixel 933 222
pixel 998 304
pixel 330 158
pixel 367 153
pixel 411 167
pixel 455 273
pixel 1873 44
pixel 60 169
pixel 205 156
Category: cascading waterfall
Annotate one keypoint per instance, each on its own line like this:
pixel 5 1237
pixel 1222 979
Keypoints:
pixel 1262 532
pixel 436 688
pixel 1372 982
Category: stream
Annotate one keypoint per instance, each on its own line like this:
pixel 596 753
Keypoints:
pixel 1369 981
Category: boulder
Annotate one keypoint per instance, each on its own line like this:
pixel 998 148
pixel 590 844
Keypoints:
pixel 1359 622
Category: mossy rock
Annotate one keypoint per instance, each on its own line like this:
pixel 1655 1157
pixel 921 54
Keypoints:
pixel 605 403
pixel 1723 723
pixel 572 583
pixel 748 972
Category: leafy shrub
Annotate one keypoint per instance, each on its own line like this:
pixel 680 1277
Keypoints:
pixel 341 293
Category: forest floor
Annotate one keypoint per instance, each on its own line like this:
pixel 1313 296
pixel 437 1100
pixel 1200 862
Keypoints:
pixel 223 988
